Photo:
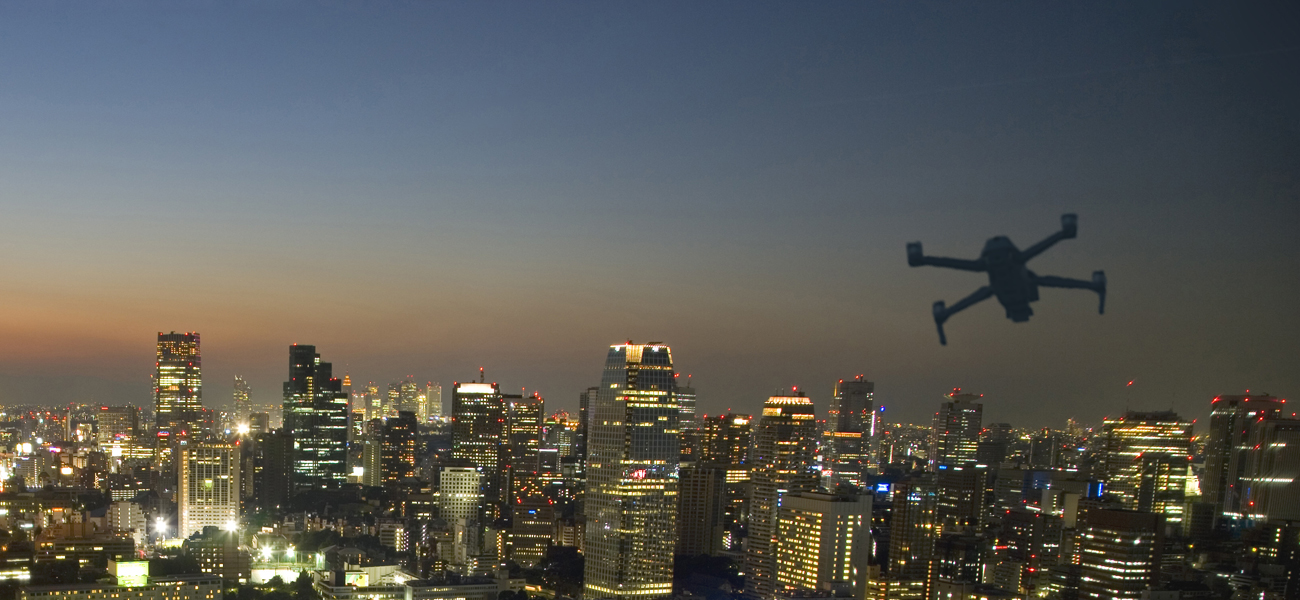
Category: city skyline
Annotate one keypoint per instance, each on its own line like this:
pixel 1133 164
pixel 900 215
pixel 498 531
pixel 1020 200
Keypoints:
pixel 469 180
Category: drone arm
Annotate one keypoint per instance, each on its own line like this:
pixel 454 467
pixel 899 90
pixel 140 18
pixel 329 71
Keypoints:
pixel 1098 284
pixel 1069 229
pixel 942 313
pixel 916 258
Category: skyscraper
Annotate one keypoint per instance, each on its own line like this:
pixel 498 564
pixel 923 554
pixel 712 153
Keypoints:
pixel 243 400
pixel 208 490
pixel 725 438
pixel 1119 554
pixel 784 452
pixel 954 437
pixel 523 429
pixel 852 424
pixel 398 451
pixel 1272 474
pixel 632 476
pixel 701 509
pixel 1147 455
pixel 478 422
pixel 178 383
pixel 586 400
pixel 316 414
pixel 433 400
pixel 823 542
pixel 1225 461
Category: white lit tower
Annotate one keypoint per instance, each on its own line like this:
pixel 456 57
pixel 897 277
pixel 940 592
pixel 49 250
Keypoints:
pixel 632 460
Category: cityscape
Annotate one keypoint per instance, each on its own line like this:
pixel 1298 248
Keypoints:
pixel 395 491
pixel 708 300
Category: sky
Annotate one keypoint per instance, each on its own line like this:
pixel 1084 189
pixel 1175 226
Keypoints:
pixel 428 188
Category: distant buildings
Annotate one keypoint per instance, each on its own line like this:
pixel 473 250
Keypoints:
pixel 397 453
pixel 242 399
pixel 1147 461
pixel 851 427
pixel 632 484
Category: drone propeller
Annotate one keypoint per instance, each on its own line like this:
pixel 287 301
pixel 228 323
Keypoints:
pixel 1099 280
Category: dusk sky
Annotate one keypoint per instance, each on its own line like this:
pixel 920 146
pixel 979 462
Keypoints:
pixel 427 188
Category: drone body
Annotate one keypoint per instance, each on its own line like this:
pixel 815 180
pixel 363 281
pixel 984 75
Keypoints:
pixel 1009 279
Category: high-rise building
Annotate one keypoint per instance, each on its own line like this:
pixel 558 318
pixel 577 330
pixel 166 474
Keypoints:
pixel 1271 479
pixel 823 543
pixel 316 414
pixel 118 430
pixel 725 438
pixel 632 474
pixel 784 454
pixel 954 437
pixel 460 492
pixel 912 528
pixel 1146 460
pixel 1231 418
pixel 531 523
pixel 1119 554
pixel 523 437
pixel 178 383
pixel 273 461
pixel 433 400
pixel 208 490
pixel 586 400
pixel 243 400
pixel 701 509
pixel 851 426
pixel 398 451
pixel 687 421
pixel 478 424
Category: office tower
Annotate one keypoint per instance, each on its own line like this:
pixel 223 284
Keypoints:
pixel 433 400
pixel 687 422
pixel 460 493
pixel 965 496
pixel 398 452
pixel 1271 478
pixel 632 460
pixel 404 395
pixel 702 509
pixel 954 438
pixel 208 490
pixel 586 400
pixel 995 444
pixel 1027 545
pixel 316 413
pixel 259 422
pixel 531 523
pixel 823 543
pixel 784 453
pixel 178 383
pixel 725 438
pixel 852 427
pixel 273 461
pixel 1225 462
pixel 911 538
pixel 1146 460
pixel 117 426
pixel 1119 554
pixel 243 400
pixel 478 424
pixel 523 433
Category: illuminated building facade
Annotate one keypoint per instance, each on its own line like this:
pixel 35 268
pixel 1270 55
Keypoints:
pixel 243 401
pixel 955 435
pixel 823 543
pixel 1119 554
pixel 784 454
pixel 316 414
pixel 1231 418
pixel 851 423
pixel 913 518
pixel 178 383
pixel 523 437
pixel 632 473
pixel 1146 460
pixel 478 424
pixel 432 401
pixel 725 438
pixel 398 451
pixel 1272 475
pixel 208 490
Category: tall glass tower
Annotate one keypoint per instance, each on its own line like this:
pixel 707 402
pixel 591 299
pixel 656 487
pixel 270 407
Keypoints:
pixel 632 458
pixel 316 413
pixel 178 383
pixel 784 453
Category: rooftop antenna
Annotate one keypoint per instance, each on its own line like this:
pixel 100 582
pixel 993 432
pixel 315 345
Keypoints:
pixel 480 375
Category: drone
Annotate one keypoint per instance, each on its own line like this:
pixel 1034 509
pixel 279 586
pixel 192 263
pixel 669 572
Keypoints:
pixel 1014 284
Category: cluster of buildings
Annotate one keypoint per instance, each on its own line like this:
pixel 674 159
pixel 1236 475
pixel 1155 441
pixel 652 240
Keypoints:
pixel 805 503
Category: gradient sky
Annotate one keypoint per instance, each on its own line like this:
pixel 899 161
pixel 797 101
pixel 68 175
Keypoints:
pixel 426 188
